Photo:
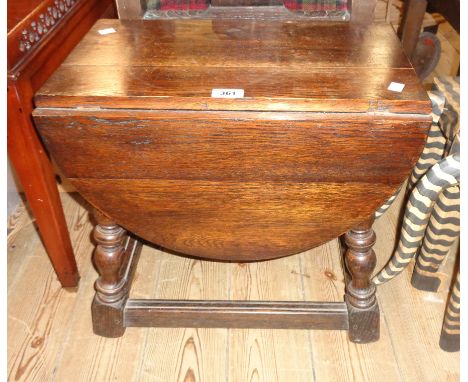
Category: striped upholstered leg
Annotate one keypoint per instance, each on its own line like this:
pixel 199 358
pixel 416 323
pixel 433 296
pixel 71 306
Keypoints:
pixel 450 335
pixel 432 153
pixel 435 142
pixel 441 233
pixel 444 174
pixel 387 204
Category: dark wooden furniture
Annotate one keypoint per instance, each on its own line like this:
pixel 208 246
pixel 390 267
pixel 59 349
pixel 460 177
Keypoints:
pixel 413 15
pixel 313 148
pixel 40 35
pixel 450 9
pixel 411 23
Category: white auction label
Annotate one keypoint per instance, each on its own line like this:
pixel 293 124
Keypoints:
pixel 396 87
pixel 106 31
pixel 227 93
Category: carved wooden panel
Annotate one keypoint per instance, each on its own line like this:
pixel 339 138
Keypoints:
pixel 25 36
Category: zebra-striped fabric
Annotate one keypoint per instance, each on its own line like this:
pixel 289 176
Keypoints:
pixel 432 215
pixel 387 204
pixel 450 88
pixel 435 144
pixel 443 227
pixel 451 325
pixel 449 120
pixel 441 176
pixel 442 231
pixel 432 153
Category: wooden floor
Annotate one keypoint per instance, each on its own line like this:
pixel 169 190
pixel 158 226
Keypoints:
pixel 50 336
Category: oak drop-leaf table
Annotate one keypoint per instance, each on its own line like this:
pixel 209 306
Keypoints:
pixel 302 142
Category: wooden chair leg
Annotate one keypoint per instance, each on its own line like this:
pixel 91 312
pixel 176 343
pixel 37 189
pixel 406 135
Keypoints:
pixel 363 309
pixel 450 335
pixel 37 178
pixel 410 26
pixel 111 292
pixel 442 231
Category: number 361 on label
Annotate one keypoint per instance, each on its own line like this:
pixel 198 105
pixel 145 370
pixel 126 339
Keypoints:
pixel 227 93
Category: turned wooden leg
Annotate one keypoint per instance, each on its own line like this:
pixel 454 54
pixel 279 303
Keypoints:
pixel 363 310
pixel 450 335
pixel 111 291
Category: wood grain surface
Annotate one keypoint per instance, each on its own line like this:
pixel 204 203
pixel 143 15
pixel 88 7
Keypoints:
pixel 233 185
pixel 40 36
pixel 236 314
pixel 259 354
pixel 303 66
pixel 334 356
pixel 39 316
pixel 69 351
pixel 414 306
pixel 232 146
pixel 196 353
pixel 217 181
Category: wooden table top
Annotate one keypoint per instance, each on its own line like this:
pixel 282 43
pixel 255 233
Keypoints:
pixel 307 154
pixel 282 66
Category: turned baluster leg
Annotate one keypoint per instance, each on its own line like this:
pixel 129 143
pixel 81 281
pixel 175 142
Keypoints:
pixel 363 310
pixel 111 291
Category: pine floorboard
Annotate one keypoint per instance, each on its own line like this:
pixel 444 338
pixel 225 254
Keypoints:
pixel 50 333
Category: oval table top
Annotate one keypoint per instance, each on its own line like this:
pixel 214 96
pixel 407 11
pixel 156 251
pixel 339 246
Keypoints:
pixel 316 144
